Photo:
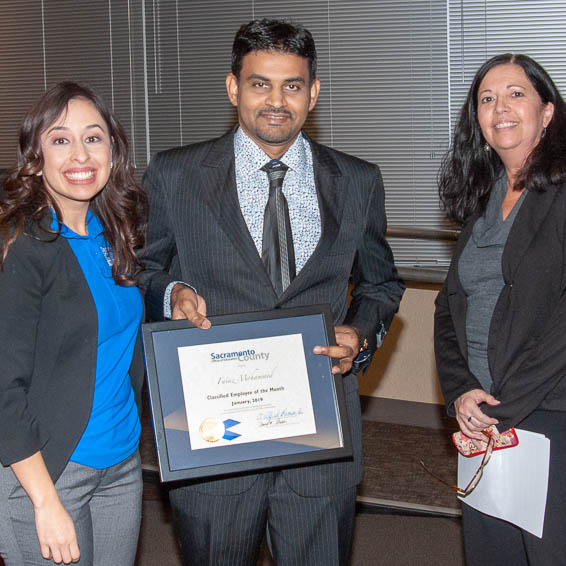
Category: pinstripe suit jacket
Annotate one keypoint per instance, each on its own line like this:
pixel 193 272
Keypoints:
pixel 197 234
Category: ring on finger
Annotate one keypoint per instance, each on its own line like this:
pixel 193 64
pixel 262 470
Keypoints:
pixel 470 419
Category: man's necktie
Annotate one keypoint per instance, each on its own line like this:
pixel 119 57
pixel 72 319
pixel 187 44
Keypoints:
pixel 277 252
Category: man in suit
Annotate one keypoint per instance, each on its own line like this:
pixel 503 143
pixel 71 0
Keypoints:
pixel 217 223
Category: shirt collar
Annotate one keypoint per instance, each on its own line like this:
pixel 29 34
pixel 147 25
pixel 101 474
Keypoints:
pixel 93 224
pixel 295 157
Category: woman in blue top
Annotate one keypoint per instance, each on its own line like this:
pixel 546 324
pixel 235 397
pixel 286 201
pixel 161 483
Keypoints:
pixel 70 218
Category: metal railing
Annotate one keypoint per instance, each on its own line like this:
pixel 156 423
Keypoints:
pixel 422 274
pixel 422 233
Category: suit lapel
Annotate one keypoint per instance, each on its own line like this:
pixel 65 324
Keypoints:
pixel 330 188
pixel 331 191
pixel 532 213
pixel 222 199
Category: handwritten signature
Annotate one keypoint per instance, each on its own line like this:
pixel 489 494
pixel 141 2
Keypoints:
pixel 277 417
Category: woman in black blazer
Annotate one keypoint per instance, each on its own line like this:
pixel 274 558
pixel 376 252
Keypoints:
pixel 500 321
pixel 70 216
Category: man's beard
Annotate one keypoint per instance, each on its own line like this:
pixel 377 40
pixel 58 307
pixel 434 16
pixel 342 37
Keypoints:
pixel 273 134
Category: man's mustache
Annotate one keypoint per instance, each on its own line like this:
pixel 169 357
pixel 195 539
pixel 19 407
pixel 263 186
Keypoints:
pixel 275 111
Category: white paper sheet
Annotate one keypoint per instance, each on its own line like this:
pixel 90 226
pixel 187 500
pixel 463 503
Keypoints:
pixel 514 483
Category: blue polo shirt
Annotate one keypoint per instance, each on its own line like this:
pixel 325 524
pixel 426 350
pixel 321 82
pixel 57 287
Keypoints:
pixel 113 430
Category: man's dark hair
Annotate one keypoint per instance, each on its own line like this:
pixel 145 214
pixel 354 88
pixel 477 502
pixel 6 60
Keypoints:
pixel 273 35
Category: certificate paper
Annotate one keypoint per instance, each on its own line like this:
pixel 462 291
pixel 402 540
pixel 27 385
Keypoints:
pixel 246 391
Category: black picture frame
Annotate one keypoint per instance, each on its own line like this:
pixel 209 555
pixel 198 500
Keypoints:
pixel 178 461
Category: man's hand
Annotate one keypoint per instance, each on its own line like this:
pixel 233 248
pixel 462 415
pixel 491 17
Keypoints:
pixel 347 348
pixel 186 304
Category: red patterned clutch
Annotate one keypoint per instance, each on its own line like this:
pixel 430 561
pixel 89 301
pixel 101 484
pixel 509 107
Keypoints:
pixel 467 448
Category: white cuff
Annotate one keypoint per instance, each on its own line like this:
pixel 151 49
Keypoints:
pixel 167 296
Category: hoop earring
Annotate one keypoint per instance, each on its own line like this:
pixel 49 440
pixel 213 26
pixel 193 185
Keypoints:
pixel 543 132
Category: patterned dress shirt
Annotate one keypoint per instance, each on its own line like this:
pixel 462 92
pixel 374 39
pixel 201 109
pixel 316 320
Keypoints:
pixel 298 187
pixel 253 190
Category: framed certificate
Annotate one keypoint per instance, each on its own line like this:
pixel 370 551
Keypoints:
pixel 247 394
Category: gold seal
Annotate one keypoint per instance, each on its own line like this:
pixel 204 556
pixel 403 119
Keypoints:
pixel 211 430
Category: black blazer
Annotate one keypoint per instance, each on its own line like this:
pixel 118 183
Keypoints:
pixel 48 338
pixel 527 336
pixel 197 234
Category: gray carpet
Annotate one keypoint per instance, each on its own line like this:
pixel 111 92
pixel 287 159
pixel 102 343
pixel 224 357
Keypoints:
pixel 388 540
pixel 392 470
pixel 392 474
pixel 391 461
pixel 382 536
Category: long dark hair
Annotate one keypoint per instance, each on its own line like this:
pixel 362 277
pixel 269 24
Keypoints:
pixel 468 171
pixel 121 206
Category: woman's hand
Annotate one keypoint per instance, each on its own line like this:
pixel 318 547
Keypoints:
pixel 54 526
pixel 56 533
pixel 470 417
